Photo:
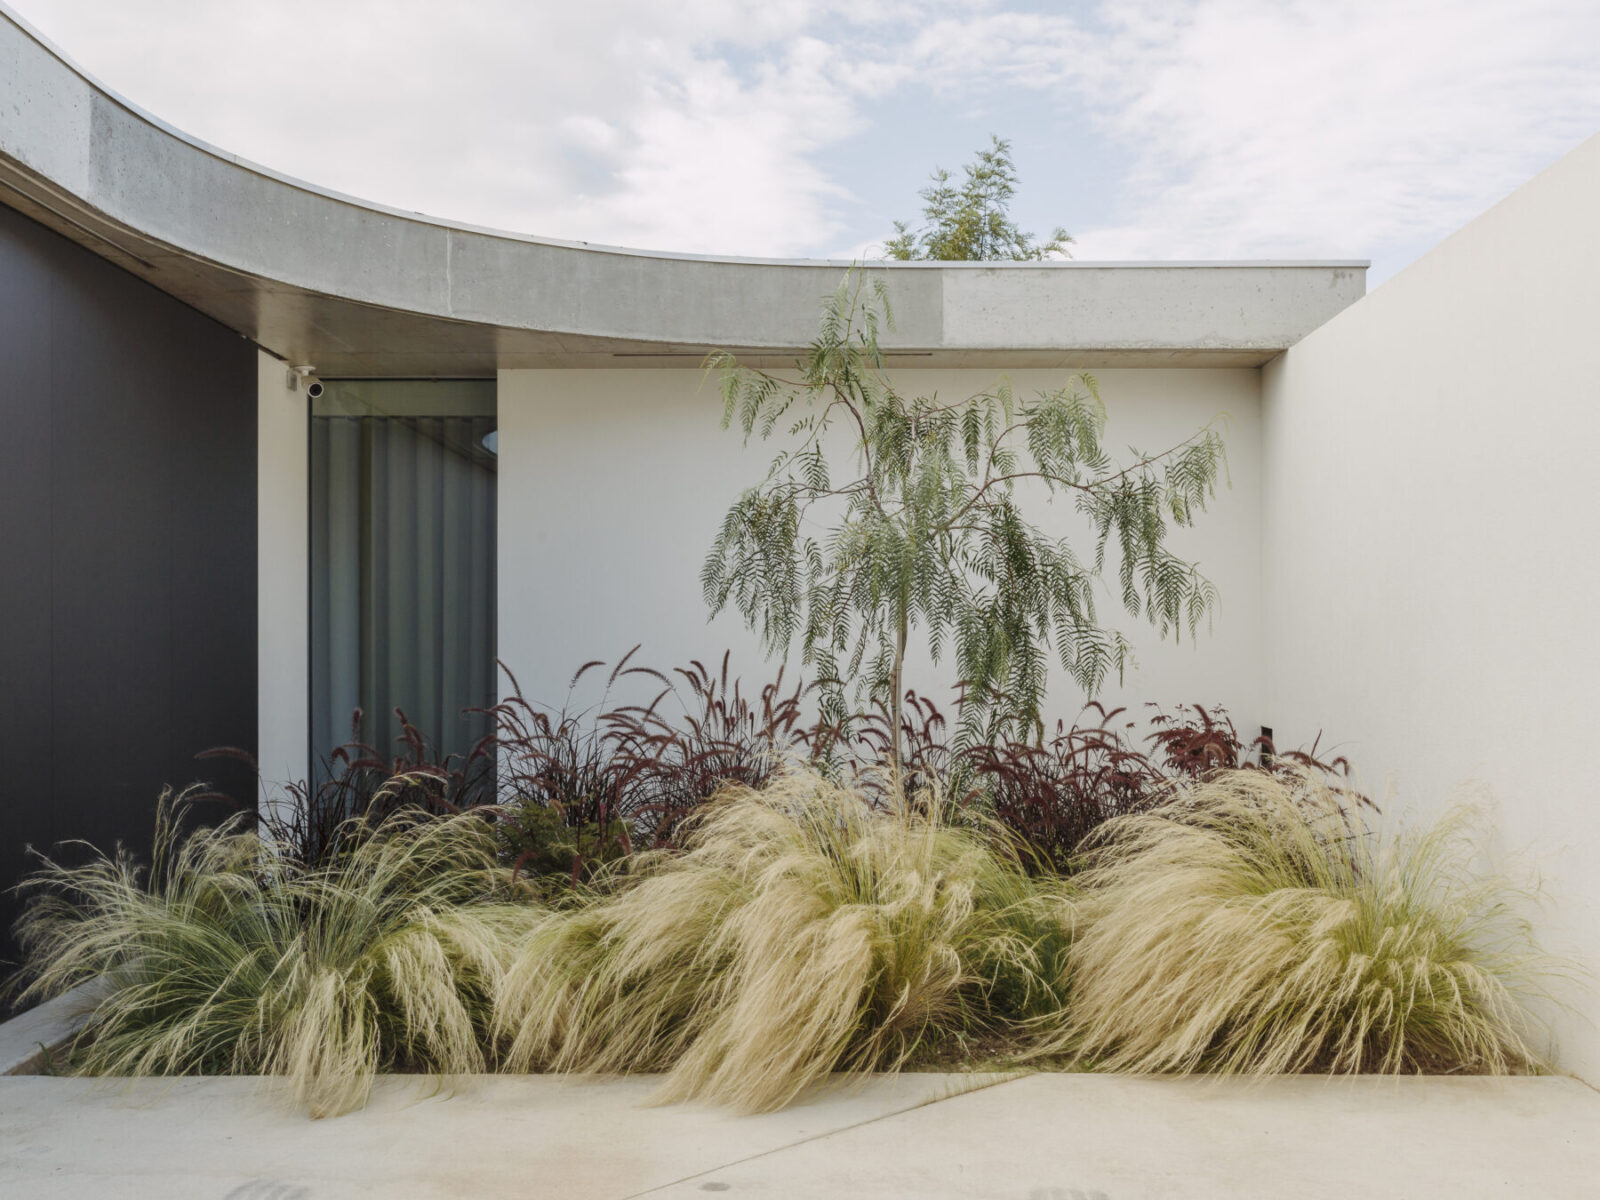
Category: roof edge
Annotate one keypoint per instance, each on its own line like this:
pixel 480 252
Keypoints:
pixel 376 206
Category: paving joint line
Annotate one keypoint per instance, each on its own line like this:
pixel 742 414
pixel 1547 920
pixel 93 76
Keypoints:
pixel 1012 1077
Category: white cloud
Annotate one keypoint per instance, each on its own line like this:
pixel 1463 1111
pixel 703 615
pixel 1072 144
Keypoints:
pixel 1246 128
pixel 1268 128
pixel 713 161
pixel 631 121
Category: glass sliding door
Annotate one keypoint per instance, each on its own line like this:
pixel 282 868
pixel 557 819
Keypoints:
pixel 402 563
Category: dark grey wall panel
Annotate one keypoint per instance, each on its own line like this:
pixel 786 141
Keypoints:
pixel 127 548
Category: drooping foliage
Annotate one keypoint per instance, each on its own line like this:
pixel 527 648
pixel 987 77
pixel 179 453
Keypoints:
pixel 1252 922
pixel 924 527
pixel 229 957
pixel 802 931
pixel 1260 923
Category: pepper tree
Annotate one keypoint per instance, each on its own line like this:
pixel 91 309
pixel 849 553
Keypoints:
pixel 886 516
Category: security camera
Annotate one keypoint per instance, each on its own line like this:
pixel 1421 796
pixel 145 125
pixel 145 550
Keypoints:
pixel 307 374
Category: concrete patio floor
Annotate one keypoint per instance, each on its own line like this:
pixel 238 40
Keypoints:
pixel 1034 1137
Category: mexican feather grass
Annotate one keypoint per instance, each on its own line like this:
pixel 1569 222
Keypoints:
pixel 1256 925
pixel 1251 924
pixel 800 932
pixel 230 958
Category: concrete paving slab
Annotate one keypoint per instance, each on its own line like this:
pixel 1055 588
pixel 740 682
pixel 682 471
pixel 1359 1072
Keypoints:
pixel 1102 1137
pixel 492 1137
pixel 27 1040
pixel 1042 1137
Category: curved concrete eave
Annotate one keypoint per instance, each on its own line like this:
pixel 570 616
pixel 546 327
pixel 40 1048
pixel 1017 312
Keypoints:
pixel 359 289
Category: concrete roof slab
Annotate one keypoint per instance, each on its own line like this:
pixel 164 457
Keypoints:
pixel 346 285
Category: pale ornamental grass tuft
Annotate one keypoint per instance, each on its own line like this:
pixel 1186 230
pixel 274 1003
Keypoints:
pixel 800 932
pixel 232 959
pixel 1256 925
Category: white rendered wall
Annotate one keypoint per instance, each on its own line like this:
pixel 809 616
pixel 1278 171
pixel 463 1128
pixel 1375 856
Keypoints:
pixel 1431 548
pixel 613 482
pixel 283 561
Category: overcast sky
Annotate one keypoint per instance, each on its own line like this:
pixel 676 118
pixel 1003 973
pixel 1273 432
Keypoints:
pixel 1183 129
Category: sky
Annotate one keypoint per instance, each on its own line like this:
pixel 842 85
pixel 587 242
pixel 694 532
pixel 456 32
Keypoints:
pixel 1180 129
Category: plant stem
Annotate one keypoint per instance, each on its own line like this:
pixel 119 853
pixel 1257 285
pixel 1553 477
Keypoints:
pixel 897 691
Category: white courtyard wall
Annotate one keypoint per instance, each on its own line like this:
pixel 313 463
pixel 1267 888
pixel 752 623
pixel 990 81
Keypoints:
pixel 613 482
pixel 283 579
pixel 1431 556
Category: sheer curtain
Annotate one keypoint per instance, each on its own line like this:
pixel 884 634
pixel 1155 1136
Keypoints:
pixel 402 563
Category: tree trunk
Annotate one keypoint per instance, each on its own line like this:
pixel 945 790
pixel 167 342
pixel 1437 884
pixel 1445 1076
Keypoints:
pixel 897 691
